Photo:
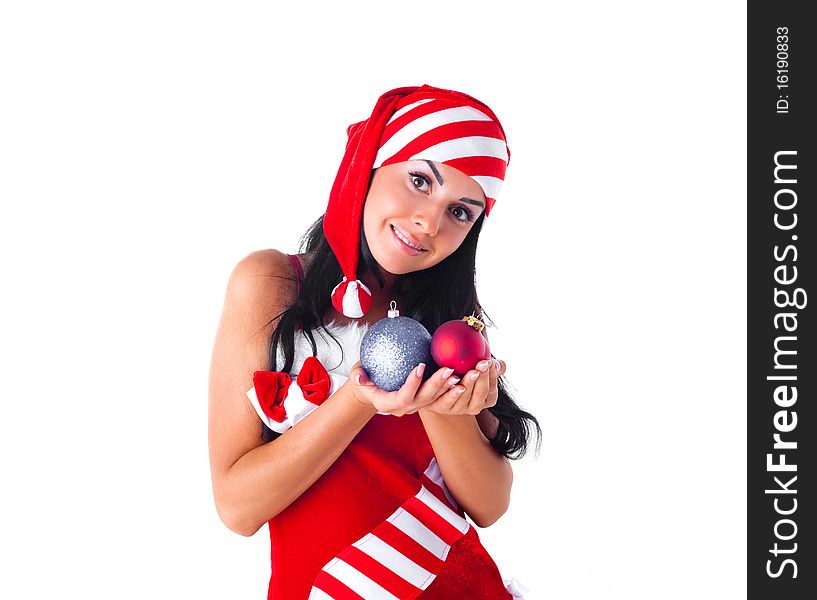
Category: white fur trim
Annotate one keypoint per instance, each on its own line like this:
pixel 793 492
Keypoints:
pixel 350 337
pixel 516 588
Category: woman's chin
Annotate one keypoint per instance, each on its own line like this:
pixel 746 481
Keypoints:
pixel 390 267
pixel 397 265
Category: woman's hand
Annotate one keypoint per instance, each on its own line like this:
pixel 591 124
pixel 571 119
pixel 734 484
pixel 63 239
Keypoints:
pixel 411 397
pixel 477 391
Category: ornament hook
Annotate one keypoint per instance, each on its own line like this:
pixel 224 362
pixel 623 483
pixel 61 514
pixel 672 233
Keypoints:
pixel 393 312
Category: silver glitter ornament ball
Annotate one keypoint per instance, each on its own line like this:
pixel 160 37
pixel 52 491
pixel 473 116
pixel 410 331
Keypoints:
pixel 392 347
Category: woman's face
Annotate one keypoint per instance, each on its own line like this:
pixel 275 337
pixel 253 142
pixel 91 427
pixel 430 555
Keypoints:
pixel 431 206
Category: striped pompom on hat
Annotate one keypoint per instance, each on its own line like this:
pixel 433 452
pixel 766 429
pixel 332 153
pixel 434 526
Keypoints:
pixel 409 123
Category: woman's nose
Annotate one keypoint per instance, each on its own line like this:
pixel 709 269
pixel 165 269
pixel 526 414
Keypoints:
pixel 428 220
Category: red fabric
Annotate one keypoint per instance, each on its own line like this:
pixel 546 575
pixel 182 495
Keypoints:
pixel 272 388
pixel 341 224
pixel 380 470
pixel 468 567
pixel 314 381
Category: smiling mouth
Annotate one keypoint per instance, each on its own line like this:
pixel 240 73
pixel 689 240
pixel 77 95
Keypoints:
pixel 404 238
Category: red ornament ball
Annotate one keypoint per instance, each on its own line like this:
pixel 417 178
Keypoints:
pixel 459 345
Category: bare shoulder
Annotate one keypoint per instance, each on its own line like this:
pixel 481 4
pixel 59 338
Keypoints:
pixel 264 271
pixel 262 263
pixel 262 286
pixel 270 262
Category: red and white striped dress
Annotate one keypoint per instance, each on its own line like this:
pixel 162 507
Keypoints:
pixel 380 523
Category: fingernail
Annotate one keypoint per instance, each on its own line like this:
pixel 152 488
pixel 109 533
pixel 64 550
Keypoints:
pixel 496 362
pixel 357 378
pixel 420 368
pixel 460 391
pixel 453 381
pixel 447 372
pixel 483 365
pixel 474 376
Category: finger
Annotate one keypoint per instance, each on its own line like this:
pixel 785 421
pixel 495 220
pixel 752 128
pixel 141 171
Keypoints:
pixel 450 384
pixel 481 388
pixel 437 385
pixel 367 391
pixel 405 395
pixel 485 369
pixel 468 381
pixel 495 372
pixel 360 377
pixel 447 402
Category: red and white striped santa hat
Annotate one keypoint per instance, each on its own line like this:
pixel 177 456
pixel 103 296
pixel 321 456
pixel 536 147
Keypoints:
pixel 409 123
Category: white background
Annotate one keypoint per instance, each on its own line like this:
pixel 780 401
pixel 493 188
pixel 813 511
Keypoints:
pixel 147 147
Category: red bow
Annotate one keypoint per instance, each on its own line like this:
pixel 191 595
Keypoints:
pixel 272 388
pixel 314 381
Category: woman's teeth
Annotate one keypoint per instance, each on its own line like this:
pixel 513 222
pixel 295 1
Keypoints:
pixel 405 240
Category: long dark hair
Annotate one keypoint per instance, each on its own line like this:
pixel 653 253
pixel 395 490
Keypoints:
pixel 432 296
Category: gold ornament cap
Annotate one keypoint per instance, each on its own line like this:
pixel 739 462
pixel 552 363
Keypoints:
pixel 474 322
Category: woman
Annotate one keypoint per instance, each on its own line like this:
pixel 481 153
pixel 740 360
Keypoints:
pixel 361 503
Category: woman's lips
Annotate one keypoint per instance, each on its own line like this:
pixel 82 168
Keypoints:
pixel 403 246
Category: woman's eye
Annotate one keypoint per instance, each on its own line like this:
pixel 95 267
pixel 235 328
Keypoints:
pixel 464 215
pixel 419 181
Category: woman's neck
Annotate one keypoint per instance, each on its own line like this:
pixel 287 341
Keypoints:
pixel 389 282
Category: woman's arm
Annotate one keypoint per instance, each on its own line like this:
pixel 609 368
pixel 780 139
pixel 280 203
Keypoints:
pixel 253 481
pixel 477 476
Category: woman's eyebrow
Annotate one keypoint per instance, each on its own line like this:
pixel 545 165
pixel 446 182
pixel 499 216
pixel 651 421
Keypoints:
pixel 469 201
pixel 440 181
pixel 435 171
